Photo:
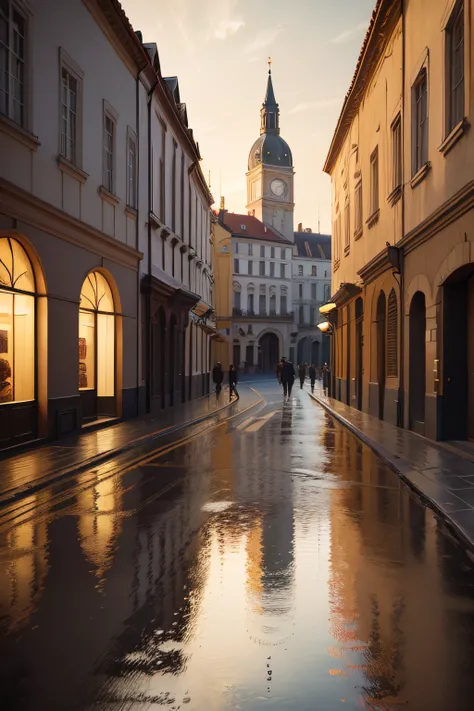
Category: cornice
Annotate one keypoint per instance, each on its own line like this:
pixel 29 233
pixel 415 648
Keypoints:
pixel 377 266
pixel 24 207
pixel 450 211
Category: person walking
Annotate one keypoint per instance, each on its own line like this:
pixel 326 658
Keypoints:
pixel 287 377
pixel 233 382
pixel 312 376
pixel 325 378
pixel 217 377
pixel 302 374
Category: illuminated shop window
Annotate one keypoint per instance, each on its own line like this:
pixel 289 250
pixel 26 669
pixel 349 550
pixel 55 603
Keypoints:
pixel 17 323
pixel 97 336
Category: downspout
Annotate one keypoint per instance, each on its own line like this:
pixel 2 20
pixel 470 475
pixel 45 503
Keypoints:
pixel 401 396
pixel 137 236
pixel 150 206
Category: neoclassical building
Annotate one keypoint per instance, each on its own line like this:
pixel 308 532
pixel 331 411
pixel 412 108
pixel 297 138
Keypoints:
pixel 105 260
pixel 403 261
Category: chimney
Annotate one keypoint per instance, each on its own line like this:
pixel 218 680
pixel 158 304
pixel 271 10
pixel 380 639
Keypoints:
pixel 300 227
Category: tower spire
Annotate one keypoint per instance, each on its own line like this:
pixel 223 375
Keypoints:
pixel 270 112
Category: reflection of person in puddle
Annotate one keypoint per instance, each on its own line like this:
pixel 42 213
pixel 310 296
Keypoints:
pixel 5 385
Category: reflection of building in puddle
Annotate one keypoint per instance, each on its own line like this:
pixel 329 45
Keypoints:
pixel 23 568
pixel 100 520
pixel 384 585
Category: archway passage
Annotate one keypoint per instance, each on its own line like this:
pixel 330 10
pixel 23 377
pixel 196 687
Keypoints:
pixel 270 351
pixel 458 372
pixel 18 364
pixel 315 349
pixel 381 359
pixel 417 384
pixel 97 343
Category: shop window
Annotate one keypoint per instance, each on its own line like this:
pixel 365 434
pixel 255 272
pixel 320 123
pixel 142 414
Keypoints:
pixel 17 323
pixel 97 336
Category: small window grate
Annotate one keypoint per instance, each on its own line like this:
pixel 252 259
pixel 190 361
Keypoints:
pixel 392 336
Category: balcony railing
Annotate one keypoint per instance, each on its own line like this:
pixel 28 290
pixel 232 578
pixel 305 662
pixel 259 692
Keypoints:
pixel 243 313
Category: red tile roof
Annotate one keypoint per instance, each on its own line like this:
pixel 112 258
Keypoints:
pixel 251 228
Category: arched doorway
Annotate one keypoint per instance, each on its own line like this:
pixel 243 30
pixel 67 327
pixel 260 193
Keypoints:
pixel 97 348
pixel 381 359
pixel 269 351
pixel 359 314
pixel 18 363
pixel 417 345
pixel 315 347
pixel 458 371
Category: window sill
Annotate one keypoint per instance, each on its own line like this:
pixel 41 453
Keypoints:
pixel 108 196
pixel 18 133
pixel 347 249
pixel 358 234
pixel 131 212
pixel 395 196
pixel 454 136
pixel 373 219
pixel 67 167
pixel 420 175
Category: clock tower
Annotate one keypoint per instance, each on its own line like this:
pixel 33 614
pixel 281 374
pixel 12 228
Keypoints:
pixel 270 175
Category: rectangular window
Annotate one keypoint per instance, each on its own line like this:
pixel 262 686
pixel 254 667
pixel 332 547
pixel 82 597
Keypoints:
pixel 314 270
pixel 262 251
pixel 236 266
pixel 109 152
pixel 250 308
pixel 272 269
pixel 347 225
pixel 272 252
pixel 301 314
pixel 397 153
pixel 250 271
pixel 282 271
pixel 181 196
pixel 283 305
pixel 374 181
pixel 236 299
pixel 173 187
pixel 163 174
pixel 69 100
pixel 312 315
pixel 250 247
pixel 131 170
pixel 327 292
pixel 262 304
pixel 12 62
pixel 420 122
pixel 358 212
pixel 261 268
pixel 273 305
pixel 300 291
pixel 455 67
pixel 236 248
pixel 300 270
pixel 313 291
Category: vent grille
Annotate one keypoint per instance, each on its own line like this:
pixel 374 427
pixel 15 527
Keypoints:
pixel 392 336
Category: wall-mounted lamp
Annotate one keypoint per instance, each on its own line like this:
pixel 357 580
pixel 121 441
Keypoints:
pixel 327 308
pixel 324 327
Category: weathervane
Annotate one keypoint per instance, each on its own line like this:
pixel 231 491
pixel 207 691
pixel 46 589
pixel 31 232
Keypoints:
pixel 270 65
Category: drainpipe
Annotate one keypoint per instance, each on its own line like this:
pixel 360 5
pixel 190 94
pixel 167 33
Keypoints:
pixel 401 396
pixel 137 232
pixel 150 206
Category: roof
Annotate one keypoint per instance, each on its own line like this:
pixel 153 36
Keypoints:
pixel 378 31
pixel 312 245
pixel 270 149
pixel 270 94
pixel 250 227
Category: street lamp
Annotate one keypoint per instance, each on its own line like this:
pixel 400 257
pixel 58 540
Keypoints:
pixel 327 308
pixel 324 326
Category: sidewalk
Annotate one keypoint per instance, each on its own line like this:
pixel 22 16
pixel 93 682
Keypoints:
pixel 32 470
pixel 444 479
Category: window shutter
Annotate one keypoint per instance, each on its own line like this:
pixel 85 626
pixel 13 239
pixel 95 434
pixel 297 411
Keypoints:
pixel 392 336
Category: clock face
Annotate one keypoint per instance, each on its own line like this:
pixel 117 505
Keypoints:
pixel 278 187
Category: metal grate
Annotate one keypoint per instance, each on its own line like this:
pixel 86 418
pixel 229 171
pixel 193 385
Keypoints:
pixel 392 336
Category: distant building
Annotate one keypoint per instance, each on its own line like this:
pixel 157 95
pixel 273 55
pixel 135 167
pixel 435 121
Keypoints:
pixel 311 286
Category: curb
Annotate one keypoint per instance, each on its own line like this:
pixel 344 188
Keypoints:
pixel 12 495
pixel 382 453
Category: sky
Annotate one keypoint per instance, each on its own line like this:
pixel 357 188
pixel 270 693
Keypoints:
pixel 219 50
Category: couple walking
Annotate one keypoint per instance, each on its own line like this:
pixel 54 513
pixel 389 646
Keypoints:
pixel 311 371
pixel 218 379
pixel 285 371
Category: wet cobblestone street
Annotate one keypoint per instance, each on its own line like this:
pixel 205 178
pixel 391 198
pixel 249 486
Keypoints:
pixel 269 561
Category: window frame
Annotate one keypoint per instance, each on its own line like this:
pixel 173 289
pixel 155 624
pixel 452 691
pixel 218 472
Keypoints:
pixel 374 182
pixel 109 114
pixel 300 270
pixel 131 171
pixel 420 125
pixel 358 210
pixel 347 225
pixel 19 8
pixel 67 64
pixel 261 268
pixel 282 271
pixel 397 152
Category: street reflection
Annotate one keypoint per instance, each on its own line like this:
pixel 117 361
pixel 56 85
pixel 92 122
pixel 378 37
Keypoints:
pixel 284 565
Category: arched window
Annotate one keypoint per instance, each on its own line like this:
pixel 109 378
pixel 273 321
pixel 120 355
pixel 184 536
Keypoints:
pixel 237 289
pixel 392 336
pixel 17 323
pixel 96 345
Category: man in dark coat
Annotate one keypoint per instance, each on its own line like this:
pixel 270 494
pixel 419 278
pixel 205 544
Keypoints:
pixel 302 374
pixel 279 369
pixel 312 376
pixel 287 377
pixel 217 377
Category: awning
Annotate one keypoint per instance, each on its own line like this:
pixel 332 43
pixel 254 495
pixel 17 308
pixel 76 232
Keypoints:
pixel 167 289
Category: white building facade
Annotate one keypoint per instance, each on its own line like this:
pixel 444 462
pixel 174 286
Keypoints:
pixel 76 227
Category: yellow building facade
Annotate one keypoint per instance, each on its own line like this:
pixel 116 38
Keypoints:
pixel 222 293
